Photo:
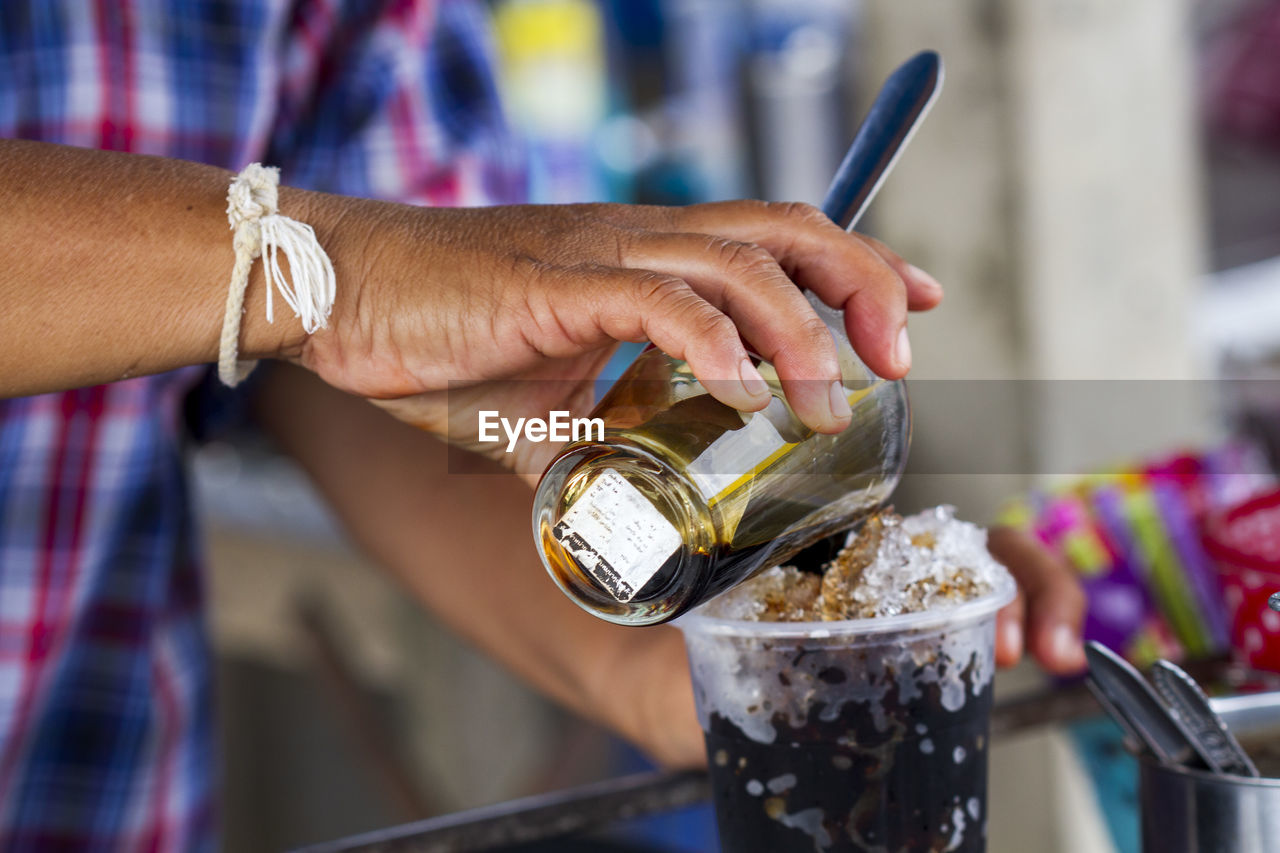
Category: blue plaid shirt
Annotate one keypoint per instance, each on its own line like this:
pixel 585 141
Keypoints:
pixel 106 736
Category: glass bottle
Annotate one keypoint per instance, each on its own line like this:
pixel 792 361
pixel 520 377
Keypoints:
pixel 686 497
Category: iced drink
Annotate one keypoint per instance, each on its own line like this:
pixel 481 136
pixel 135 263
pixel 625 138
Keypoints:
pixel 870 733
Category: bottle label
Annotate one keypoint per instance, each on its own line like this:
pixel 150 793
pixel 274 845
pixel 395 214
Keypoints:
pixel 616 534
pixel 735 457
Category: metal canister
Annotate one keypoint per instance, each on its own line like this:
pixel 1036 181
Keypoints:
pixel 1195 811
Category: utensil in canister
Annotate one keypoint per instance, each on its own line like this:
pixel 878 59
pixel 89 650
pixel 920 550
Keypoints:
pixel 1129 699
pixel 1222 752
pixel 1195 811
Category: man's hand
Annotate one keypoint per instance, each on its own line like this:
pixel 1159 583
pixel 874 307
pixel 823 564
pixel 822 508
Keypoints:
pixel 454 302
pixel 1047 615
pixel 114 265
pixel 475 568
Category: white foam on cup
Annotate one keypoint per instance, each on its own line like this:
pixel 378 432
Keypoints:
pixel 736 660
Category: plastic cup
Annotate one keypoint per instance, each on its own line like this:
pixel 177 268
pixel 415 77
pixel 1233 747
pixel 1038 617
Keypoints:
pixel 867 734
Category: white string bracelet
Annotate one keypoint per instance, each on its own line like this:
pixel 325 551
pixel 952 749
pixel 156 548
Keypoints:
pixel 261 232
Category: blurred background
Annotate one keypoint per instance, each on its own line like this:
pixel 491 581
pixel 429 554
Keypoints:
pixel 1098 188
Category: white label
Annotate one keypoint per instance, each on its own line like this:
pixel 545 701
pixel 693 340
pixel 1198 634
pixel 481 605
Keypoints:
pixel 735 454
pixel 616 534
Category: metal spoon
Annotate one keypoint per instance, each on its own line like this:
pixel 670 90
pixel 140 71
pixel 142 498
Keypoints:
pixel 900 106
pixel 1221 750
pixel 1129 699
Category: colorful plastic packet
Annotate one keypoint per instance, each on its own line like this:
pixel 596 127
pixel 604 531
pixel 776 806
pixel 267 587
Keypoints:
pixel 1134 536
pixel 1245 542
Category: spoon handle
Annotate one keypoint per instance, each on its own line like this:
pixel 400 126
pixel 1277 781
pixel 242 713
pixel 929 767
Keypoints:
pixel 901 104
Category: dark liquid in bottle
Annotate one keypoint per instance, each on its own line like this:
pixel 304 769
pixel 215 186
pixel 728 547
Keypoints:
pixel 721 494
pixel 731 564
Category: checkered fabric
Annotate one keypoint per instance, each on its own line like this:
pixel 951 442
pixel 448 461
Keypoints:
pixel 106 735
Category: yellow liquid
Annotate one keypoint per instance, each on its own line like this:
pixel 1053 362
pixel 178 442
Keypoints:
pixel 742 491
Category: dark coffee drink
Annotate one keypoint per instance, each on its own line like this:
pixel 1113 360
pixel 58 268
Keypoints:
pixel 826 732
pixel 843 783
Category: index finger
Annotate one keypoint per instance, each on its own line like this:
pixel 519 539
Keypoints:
pixel 1055 601
pixel 842 269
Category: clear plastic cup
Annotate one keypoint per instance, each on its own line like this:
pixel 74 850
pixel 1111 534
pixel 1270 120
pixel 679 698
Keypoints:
pixel 860 735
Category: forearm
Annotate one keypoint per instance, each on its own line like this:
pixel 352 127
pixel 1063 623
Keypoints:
pixel 460 542
pixel 114 265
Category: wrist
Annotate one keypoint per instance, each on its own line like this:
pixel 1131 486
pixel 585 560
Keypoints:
pixel 284 337
pixel 376 248
pixel 259 338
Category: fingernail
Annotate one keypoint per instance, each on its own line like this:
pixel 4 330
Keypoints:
pixel 1066 645
pixel 902 349
pixel 923 277
pixel 1011 636
pixel 840 403
pixel 751 379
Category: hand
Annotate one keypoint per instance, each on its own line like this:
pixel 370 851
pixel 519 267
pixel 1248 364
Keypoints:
pixel 431 296
pixel 475 297
pixel 1048 613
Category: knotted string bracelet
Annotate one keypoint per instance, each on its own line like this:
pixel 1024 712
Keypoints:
pixel 261 232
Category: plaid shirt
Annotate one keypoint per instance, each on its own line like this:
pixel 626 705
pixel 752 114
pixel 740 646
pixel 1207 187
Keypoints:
pixel 106 736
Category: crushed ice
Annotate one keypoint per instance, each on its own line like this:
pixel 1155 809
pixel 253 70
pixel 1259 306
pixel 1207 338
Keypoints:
pixel 892 565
